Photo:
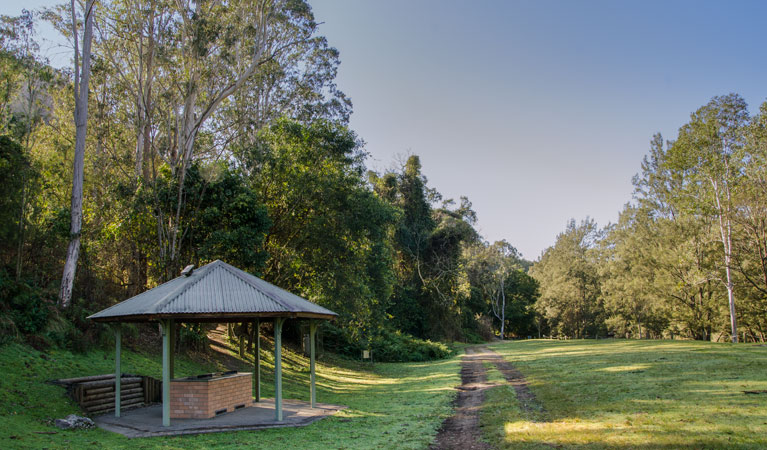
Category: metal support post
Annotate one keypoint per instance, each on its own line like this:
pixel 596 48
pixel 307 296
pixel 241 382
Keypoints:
pixel 312 336
pixel 165 373
pixel 257 359
pixel 278 368
pixel 118 370
pixel 172 360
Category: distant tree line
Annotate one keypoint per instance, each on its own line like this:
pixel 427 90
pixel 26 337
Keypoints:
pixel 688 256
pixel 216 130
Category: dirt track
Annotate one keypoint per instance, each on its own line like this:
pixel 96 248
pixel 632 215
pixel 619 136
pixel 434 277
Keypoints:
pixel 461 430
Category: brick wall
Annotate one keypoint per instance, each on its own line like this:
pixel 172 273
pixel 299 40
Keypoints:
pixel 201 399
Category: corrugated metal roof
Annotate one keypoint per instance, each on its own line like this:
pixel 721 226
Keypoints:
pixel 214 290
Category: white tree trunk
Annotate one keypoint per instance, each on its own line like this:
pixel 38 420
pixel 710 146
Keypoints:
pixel 503 310
pixel 725 230
pixel 82 77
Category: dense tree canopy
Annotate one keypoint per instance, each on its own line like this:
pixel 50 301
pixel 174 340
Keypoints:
pixel 215 130
pixel 687 257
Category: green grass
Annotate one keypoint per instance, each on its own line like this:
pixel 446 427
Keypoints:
pixel 632 394
pixel 494 376
pixel 398 405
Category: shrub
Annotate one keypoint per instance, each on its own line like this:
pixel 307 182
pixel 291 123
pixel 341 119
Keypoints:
pixel 25 305
pixel 398 346
pixel 387 346
pixel 8 330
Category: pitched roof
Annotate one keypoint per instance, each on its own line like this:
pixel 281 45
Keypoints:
pixel 214 292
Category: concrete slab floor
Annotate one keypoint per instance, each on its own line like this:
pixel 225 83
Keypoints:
pixel 147 421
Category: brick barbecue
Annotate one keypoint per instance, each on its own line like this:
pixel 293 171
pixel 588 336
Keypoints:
pixel 208 395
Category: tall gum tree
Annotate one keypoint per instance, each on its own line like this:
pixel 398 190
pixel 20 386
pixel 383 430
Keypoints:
pixel 184 64
pixel 710 148
pixel 82 78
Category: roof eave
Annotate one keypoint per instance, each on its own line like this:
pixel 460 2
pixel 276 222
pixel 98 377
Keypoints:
pixel 213 317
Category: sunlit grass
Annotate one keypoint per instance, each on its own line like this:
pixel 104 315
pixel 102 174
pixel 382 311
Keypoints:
pixel 389 405
pixel 632 394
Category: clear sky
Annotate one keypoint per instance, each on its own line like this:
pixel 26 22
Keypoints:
pixel 539 111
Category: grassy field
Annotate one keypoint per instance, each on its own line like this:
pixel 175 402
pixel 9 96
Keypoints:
pixel 390 405
pixel 632 394
pixel 594 394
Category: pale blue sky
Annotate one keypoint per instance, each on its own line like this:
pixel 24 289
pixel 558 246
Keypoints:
pixel 541 110
pixel 538 111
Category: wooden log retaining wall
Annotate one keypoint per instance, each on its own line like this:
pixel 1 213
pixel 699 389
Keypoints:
pixel 96 394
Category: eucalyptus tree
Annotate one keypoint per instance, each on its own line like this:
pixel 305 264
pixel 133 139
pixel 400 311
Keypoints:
pixel 750 243
pixel 709 149
pixel 499 274
pixel 81 89
pixel 192 71
pixel 662 250
pixel 490 268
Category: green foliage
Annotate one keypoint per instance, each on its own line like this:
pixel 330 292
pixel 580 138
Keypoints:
pixel 633 296
pixel 502 287
pixel 14 166
pixel 395 346
pixel 329 238
pixel 687 256
pixel 521 295
pixel 386 346
pixel 194 335
pixel 570 284
pixel 227 138
pixel 224 218
pixel 429 299
pixel 26 306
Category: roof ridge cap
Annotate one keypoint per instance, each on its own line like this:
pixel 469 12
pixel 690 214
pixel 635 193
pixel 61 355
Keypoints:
pixel 183 288
pixel 249 283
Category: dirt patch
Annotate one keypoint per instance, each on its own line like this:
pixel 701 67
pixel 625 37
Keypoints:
pixel 461 430
pixel 763 391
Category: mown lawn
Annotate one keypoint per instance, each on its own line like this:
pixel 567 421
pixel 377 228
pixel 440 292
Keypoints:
pixel 632 394
pixel 390 405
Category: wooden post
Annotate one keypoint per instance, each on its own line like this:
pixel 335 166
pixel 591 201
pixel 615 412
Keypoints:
pixel 278 321
pixel 257 359
pixel 118 371
pixel 312 335
pixel 166 373
pixel 172 360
